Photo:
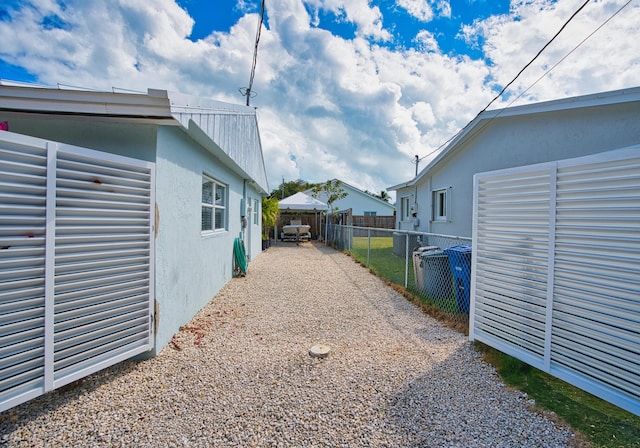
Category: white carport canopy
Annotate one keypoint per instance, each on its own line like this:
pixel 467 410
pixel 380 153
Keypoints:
pixel 302 202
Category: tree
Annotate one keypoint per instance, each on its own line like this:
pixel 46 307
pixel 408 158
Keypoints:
pixel 270 213
pixel 286 189
pixel 383 195
pixel 331 192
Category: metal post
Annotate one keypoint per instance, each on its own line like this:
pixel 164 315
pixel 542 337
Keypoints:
pixel 368 246
pixel 406 263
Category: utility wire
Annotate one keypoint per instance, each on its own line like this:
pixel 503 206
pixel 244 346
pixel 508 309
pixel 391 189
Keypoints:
pixel 248 92
pixel 536 56
pixel 561 60
pixel 526 66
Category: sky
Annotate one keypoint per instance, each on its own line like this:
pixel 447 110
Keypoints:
pixel 347 89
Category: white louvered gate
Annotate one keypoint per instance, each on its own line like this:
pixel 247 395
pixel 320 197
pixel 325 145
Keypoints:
pixel 76 271
pixel 556 270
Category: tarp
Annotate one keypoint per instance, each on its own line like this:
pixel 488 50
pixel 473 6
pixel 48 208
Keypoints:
pixel 302 202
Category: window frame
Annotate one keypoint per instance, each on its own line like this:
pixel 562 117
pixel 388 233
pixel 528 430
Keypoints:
pixel 215 205
pixel 405 208
pixel 441 200
pixel 256 206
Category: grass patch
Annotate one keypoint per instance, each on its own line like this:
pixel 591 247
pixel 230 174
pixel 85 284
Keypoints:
pixel 600 423
pixel 384 264
pixel 381 259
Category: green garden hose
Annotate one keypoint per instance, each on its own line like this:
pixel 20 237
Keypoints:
pixel 240 255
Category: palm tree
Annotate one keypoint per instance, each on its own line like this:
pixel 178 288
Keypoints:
pixel 270 214
pixel 384 196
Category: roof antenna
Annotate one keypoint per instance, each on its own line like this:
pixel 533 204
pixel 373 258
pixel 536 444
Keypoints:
pixel 246 91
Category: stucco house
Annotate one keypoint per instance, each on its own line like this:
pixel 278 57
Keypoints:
pixel 441 195
pixel 104 194
pixel 360 202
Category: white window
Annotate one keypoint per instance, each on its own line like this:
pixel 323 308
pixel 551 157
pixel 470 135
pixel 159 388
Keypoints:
pixel 256 205
pixel 369 213
pixel 404 208
pixel 214 205
pixel 440 204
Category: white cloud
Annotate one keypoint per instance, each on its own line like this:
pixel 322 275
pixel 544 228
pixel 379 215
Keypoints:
pixel 420 9
pixel 608 60
pixel 423 10
pixel 423 113
pixel 368 20
pixel 426 41
pixel 345 108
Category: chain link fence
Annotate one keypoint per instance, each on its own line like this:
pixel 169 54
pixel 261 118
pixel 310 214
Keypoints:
pixel 434 268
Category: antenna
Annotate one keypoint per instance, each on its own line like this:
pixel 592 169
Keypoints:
pixel 246 91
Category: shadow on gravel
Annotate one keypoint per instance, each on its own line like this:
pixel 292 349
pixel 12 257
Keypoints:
pixel 462 402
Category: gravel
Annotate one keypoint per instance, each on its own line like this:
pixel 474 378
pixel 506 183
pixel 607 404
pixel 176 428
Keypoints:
pixel 240 374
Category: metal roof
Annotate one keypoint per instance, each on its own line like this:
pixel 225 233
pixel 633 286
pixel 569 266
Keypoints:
pixel 227 130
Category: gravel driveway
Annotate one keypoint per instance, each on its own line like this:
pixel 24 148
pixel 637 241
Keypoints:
pixel 240 375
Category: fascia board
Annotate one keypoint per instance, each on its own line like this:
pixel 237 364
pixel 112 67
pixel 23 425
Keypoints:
pixel 578 102
pixel 75 102
pixel 183 103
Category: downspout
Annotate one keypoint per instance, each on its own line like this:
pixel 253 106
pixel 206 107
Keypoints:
pixel 244 222
pixel 430 208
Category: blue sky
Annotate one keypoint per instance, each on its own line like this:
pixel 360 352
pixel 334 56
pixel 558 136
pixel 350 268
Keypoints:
pixel 404 26
pixel 348 89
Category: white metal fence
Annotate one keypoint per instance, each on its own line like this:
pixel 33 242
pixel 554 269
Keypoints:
pixel 556 278
pixel 436 268
pixel 76 271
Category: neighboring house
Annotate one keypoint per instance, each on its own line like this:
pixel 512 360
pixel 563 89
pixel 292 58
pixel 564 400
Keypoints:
pixel 360 203
pixel 161 183
pixel 441 195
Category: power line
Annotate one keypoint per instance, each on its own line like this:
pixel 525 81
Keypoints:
pixel 536 56
pixel 247 91
pixel 527 65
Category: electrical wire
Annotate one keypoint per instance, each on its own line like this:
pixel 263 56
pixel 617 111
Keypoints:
pixel 536 56
pixel 248 92
pixel 525 67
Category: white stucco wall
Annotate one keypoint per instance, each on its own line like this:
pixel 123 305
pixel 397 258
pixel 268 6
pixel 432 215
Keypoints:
pixel 191 266
pixel 517 141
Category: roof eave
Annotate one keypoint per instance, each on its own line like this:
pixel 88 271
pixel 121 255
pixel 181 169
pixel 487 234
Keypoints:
pixel 197 134
pixel 80 102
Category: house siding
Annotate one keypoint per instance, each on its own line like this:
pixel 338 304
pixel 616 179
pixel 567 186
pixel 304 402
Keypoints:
pixel 359 202
pixel 191 266
pixel 512 141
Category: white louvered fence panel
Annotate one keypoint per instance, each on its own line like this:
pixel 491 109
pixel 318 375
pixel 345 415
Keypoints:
pixel 76 295
pixel 556 281
pixel 596 312
pixel 515 268
pixel 23 179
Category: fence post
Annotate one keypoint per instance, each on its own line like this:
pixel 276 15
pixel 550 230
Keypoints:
pixel 406 261
pixel 368 246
